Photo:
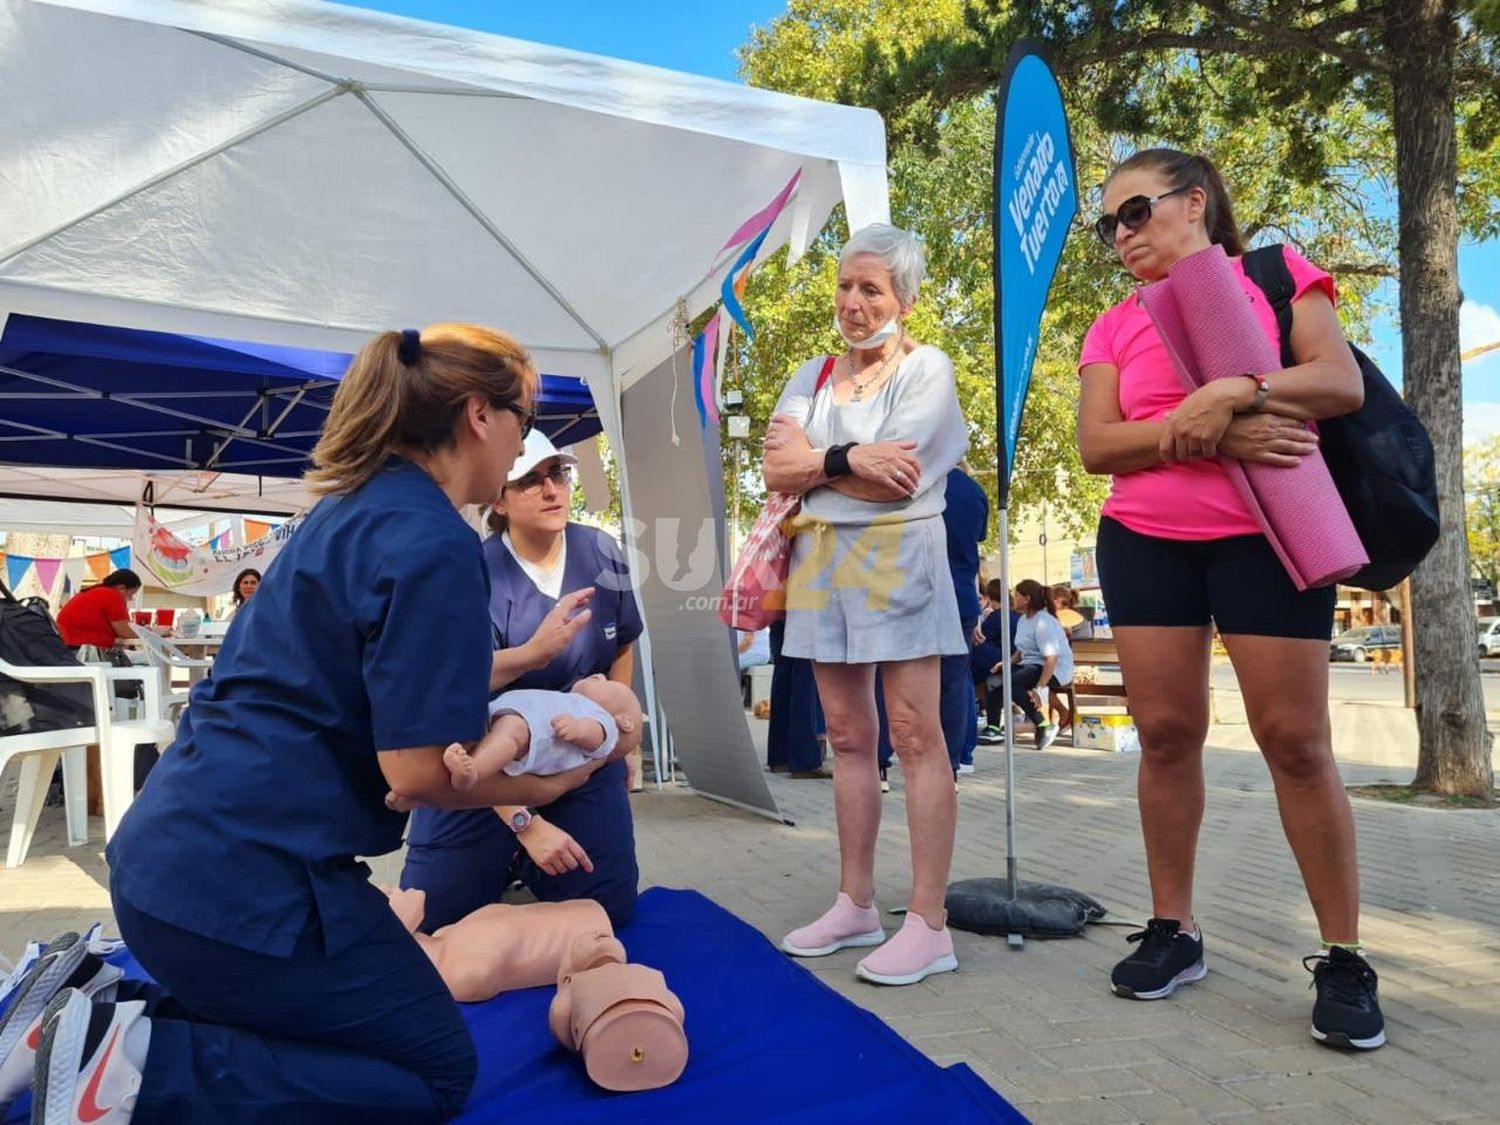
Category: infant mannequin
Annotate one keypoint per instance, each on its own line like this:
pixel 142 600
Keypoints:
pixel 500 948
pixel 547 732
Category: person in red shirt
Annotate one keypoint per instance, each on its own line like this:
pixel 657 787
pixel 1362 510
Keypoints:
pixel 100 616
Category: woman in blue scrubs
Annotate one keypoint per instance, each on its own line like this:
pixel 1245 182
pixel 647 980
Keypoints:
pixel 289 991
pixel 543 571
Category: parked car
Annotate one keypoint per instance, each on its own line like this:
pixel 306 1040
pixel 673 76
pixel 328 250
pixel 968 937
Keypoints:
pixel 1489 636
pixel 1357 644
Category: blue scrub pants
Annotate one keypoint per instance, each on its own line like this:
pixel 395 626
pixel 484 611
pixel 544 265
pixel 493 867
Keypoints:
pixel 796 713
pixel 370 1034
pixel 461 877
pixel 956 708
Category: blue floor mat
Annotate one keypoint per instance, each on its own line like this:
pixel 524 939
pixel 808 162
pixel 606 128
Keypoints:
pixel 768 1042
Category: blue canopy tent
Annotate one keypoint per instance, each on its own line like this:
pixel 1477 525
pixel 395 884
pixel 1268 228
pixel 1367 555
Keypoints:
pixel 87 396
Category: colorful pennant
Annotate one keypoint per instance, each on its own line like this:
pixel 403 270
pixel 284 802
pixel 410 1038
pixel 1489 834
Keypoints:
pixel 705 381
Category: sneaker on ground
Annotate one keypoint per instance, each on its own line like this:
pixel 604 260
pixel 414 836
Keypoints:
pixel 1165 958
pixel 67 963
pixel 885 782
pixel 88 1066
pixel 915 953
pixel 991 736
pixel 843 926
pixel 1347 1011
pixel 1046 735
pixel 965 767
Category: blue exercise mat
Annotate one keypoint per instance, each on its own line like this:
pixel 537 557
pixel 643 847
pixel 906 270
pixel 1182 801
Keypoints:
pixel 769 1042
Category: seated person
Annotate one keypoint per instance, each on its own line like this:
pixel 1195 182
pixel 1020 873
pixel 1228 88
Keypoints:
pixel 546 732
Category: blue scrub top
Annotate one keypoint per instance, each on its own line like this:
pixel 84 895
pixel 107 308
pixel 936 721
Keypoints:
pixel 367 634
pixel 966 518
pixel 517 608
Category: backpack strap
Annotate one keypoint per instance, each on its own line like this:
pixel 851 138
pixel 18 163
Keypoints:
pixel 1267 267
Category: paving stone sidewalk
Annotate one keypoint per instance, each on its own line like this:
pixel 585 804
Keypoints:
pixel 1039 1024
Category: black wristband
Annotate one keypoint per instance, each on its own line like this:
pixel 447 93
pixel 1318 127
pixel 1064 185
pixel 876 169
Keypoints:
pixel 836 460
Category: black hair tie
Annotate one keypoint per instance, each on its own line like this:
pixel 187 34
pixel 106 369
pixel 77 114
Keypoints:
pixel 410 348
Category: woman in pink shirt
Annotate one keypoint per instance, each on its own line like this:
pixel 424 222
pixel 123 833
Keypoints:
pixel 1179 552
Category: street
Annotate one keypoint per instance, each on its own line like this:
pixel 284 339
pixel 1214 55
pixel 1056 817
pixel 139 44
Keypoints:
pixel 1357 683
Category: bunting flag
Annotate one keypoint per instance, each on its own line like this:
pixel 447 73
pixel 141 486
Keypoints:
pixel 73 571
pixel 46 572
pixel 753 230
pixel 185 569
pixel 98 565
pixel 255 529
pixel 16 567
pixel 705 382
pixel 119 558
pixel 761 221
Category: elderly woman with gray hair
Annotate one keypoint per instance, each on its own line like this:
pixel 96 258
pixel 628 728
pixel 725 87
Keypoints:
pixel 867 438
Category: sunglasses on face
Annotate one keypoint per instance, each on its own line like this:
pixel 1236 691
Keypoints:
pixel 560 475
pixel 1134 213
pixel 526 417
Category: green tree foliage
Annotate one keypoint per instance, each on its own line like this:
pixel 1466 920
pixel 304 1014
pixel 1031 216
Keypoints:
pixel 1482 505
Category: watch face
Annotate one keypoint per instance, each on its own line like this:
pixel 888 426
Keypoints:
pixel 519 821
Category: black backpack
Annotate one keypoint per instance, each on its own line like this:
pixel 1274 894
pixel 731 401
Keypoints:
pixel 1380 456
pixel 29 636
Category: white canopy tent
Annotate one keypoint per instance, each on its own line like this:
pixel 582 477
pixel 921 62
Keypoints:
pixel 299 173
pixel 305 174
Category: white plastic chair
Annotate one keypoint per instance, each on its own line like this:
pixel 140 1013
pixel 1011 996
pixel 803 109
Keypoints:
pixel 166 656
pixel 39 753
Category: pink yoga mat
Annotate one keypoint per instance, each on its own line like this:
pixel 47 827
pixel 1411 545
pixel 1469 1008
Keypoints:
pixel 1205 318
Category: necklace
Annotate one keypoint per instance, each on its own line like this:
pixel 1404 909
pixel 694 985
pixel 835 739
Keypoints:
pixel 860 385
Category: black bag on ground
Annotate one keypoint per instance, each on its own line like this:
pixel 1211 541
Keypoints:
pixel 1380 456
pixel 29 636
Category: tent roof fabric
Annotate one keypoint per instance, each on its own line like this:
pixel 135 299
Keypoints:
pixel 306 174
pixel 94 397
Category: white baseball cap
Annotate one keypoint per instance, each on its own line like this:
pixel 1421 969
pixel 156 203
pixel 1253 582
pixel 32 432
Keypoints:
pixel 538 448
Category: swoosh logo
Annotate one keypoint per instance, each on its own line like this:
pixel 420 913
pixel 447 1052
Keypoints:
pixel 89 1109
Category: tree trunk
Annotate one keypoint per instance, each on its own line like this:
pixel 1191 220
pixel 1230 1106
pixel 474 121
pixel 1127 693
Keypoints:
pixel 1454 748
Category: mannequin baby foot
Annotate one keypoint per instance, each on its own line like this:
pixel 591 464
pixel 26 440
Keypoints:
pixel 461 767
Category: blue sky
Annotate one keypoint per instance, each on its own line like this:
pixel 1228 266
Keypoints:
pixel 702 37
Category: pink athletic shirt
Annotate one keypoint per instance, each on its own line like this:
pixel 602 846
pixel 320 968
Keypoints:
pixel 1188 499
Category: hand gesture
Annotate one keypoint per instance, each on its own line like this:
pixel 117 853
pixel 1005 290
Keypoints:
pixel 559 627
pixel 889 463
pixel 552 849
pixel 1196 427
pixel 1268 439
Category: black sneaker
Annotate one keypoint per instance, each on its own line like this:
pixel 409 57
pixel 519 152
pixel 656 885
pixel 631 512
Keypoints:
pixel 991 736
pixel 1347 1012
pixel 1166 958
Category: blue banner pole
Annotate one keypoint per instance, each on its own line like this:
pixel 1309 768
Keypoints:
pixel 1036 198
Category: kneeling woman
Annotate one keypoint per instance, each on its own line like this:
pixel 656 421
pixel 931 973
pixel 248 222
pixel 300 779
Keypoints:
pixel 561 608
pixel 288 989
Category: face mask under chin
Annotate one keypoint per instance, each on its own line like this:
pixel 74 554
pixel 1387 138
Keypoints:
pixel 880 338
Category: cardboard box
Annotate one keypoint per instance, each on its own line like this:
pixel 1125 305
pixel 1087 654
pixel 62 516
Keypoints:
pixel 1107 728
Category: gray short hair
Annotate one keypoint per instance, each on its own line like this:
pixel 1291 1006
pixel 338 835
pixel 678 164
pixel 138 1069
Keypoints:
pixel 899 249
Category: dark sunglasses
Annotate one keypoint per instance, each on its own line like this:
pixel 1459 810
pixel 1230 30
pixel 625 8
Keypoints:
pixel 1135 213
pixel 526 417
pixel 560 475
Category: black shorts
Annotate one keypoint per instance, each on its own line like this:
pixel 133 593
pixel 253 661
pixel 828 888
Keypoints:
pixel 1238 583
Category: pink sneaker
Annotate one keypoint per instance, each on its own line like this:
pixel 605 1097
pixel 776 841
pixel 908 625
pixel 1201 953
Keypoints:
pixel 843 926
pixel 915 953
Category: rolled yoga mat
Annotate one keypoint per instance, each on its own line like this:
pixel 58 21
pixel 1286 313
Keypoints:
pixel 1205 318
